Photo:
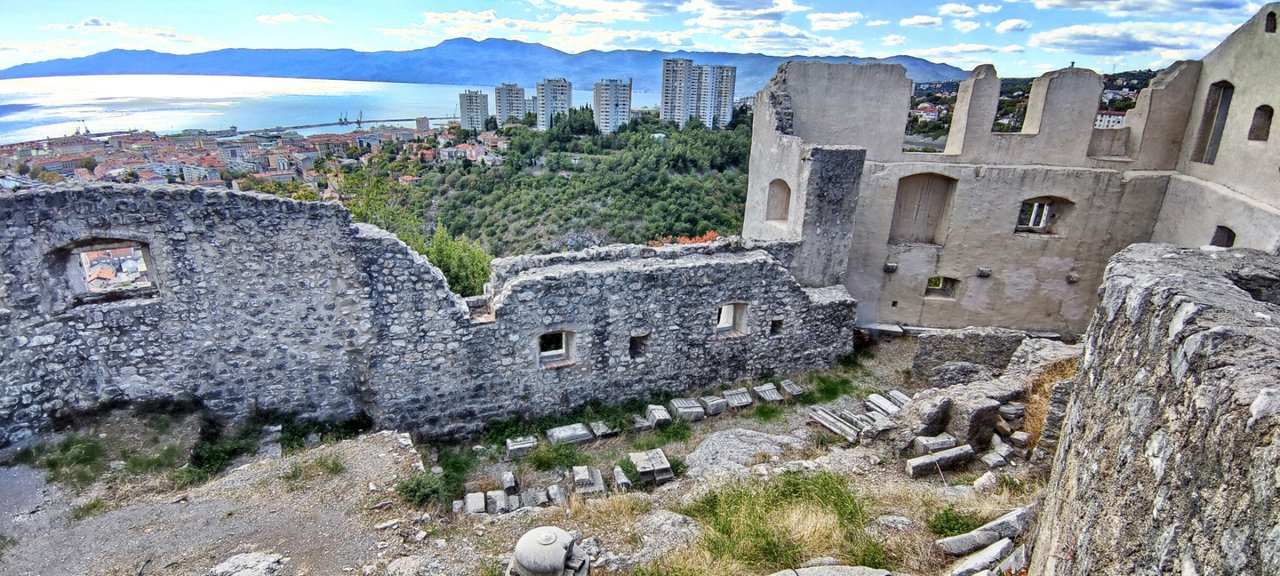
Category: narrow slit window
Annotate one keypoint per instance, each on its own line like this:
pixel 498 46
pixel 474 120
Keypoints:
pixel 1271 23
pixel 1260 129
pixel 1214 122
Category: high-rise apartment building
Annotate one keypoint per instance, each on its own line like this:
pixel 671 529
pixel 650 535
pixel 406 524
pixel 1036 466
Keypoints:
pixel 510 103
pixel 611 104
pixel 473 109
pixel 704 92
pixel 555 96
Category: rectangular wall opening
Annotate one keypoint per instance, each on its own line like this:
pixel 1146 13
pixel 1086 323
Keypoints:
pixel 732 320
pixel 639 346
pixel 555 349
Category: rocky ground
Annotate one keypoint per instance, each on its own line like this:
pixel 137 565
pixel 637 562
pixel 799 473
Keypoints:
pixel 332 509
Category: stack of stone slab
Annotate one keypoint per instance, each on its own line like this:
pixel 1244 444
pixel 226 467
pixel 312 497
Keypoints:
pixel 767 393
pixel 655 416
pixel 652 466
pixel 864 427
pixel 576 433
pixel 989 548
pixel 714 405
pixel 737 398
pixel 687 409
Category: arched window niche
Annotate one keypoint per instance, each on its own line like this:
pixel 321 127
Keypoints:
pixel 920 209
pixel 778 205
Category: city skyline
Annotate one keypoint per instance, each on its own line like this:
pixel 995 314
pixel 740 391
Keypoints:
pixel 1024 37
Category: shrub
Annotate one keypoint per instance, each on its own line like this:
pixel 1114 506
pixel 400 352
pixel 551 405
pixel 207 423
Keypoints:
pixel 214 451
pixel 76 460
pixel 952 522
pixel 422 488
pixel 548 456
pixel 425 487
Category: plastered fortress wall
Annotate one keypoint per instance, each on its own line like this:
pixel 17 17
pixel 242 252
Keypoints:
pixel 953 239
pixel 261 303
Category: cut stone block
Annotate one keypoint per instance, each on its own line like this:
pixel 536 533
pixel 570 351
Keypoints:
pixel 509 483
pixel 495 502
pixel 930 444
pixel 993 460
pixel 557 495
pixel 972 419
pixel 593 485
pixel 687 409
pixel 640 423
pixel 620 479
pixel 1012 411
pixel 767 393
pixel 518 447
pixel 982 560
pixel 737 398
pixel 791 388
pixel 576 433
pixel 713 405
pixel 878 403
pixel 899 398
pixel 853 419
pixel 1014 562
pixel 581 476
pixel 1002 427
pixel 658 415
pixel 602 430
pixel 474 503
pixel 929 464
pixel 652 466
pixel 1020 439
pixel 881 422
pixel 1011 525
pixel 967 542
pixel 535 497
pixel 1004 450
pixel 459 506
pixel 833 423
pixel 513 502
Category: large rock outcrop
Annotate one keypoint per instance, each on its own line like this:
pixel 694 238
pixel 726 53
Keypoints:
pixel 1170 450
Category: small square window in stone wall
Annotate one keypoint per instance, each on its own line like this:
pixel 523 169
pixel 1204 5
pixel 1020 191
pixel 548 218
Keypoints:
pixel 639 346
pixel 555 349
pixel 111 270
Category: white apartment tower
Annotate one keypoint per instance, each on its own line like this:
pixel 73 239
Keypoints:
pixel 611 104
pixel 555 96
pixel 509 100
pixel 705 92
pixel 473 109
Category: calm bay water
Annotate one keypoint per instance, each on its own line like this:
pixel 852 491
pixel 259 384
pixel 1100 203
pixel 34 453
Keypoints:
pixel 37 108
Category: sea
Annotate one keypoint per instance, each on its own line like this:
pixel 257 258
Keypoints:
pixel 38 108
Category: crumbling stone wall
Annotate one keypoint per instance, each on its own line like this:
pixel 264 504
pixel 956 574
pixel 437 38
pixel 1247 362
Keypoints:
pixel 263 303
pixel 1170 450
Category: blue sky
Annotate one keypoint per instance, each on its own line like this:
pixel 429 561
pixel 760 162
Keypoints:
pixel 1022 37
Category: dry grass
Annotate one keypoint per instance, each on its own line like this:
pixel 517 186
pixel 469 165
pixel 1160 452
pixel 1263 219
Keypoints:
pixel 609 512
pixel 1039 392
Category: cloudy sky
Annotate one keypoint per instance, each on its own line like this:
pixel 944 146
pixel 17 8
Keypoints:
pixel 1021 37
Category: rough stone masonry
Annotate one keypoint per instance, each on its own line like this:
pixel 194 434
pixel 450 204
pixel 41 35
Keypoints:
pixel 268 304
pixel 1170 454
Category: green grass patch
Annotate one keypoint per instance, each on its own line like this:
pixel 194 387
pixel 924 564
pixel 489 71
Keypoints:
pixel 89 509
pixel 75 460
pixel 825 388
pixel 425 487
pixel 214 451
pixel 952 522
pixel 678 431
pixel 766 412
pixel 294 433
pixel 617 416
pixel 166 458
pixel 777 525
pixel 824 440
pixel 548 456
pixel 629 468
pixel 1011 485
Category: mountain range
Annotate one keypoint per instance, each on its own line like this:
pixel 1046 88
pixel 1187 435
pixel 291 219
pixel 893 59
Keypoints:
pixel 460 61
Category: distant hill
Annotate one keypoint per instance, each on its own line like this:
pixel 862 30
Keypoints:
pixel 458 61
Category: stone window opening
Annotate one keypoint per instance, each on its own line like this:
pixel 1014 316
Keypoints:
pixel 920 209
pixel 1223 237
pixel 1216 108
pixel 775 327
pixel 941 287
pixel 111 270
pixel 1041 215
pixel 1271 23
pixel 732 320
pixel 778 207
pixel 1260 129
pixel 555 349
pixel 638 347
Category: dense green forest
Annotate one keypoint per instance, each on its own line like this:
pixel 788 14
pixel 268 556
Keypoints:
pixel 567 188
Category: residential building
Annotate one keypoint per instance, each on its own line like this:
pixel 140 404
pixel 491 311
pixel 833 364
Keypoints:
pixel 611 104
pixel 1108 119
pixel 510 102
pixel 473 109
pixel 705 92
pixel 555 96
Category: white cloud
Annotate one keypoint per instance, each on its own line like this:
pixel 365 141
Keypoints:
pixel 920 20
pixel 833 20
pixel 288 17
pixel 788 40
pixel 738 13
pixel 1166 41
pixel 964 49
pixel 1149 7
pixel 893 40
pixel 878 23
pixel 965 26
pixel 989 8
pixel 96 25
pixel 957 10
pixel 1012 25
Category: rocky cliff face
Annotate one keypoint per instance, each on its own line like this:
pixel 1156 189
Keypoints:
pixel 1170 460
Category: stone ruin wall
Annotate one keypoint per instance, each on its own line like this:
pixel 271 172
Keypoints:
pixel 276 305
pixel 1169 461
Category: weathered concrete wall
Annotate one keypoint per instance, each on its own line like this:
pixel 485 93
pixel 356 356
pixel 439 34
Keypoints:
pixel 1194 208
pixel 270 304
pixel 1169 453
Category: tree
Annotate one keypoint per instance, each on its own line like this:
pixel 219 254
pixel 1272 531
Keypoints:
pixel 490 124
pixel 88 163
pixel 464 264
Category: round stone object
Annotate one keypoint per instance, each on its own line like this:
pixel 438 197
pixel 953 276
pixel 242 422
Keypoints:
pixel 542 552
